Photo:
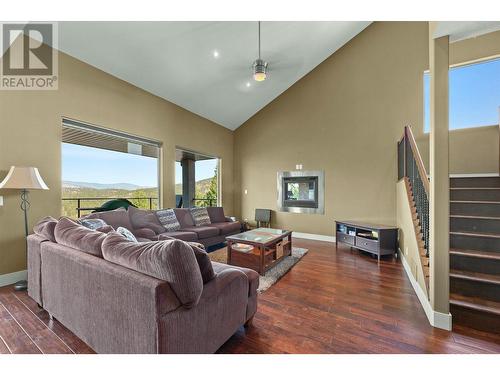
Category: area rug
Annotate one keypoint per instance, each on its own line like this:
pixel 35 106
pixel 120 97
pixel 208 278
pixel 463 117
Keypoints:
pixel 273 274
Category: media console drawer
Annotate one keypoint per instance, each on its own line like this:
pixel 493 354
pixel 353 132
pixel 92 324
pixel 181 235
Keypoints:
pixel 345 238
pixel 366 244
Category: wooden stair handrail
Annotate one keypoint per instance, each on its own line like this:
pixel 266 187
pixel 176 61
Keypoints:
pixel 418 159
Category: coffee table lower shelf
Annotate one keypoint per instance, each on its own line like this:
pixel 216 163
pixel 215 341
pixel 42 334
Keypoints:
pixel 261 258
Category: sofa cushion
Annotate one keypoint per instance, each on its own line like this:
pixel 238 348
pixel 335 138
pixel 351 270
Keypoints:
pixel 145 233
pixel 185 236
pixel 105 229
pixel 145 219
pixel 116 218
pixel 168 219
pixel 216 214
pixel 228 227
pixel 184 217
pixel 45 228
pixel 76 236
pixel 252 276
pixel 200 216
pixel 173 261
pixel 203 232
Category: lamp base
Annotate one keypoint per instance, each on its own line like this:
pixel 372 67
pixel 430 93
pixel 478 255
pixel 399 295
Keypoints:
pixel 21 285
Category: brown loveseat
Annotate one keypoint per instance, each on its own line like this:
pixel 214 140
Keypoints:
pixel 104 289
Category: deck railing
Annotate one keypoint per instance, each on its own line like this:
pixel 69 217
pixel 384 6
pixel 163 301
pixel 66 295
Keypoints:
pixel 205 202
pixel 410 166
pixel 81 206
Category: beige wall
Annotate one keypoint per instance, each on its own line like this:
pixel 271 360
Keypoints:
pixel 473 150
pixel 345 118
pixel 30 134
pixel 407 237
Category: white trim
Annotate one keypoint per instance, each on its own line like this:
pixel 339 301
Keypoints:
pixel 436 318
pixel 312 236
pixel 14 277
pixel 465 175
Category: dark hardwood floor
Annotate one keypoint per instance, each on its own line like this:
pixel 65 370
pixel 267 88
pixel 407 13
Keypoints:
pixel 330 302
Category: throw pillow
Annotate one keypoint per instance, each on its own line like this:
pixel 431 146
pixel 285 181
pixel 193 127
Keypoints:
pixel 200 216
pixel 172 261
pixel 168 220
pixel 93 223
pixel 127 234
pixel 204 262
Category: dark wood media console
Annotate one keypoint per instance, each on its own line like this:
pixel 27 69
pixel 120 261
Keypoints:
pixel 376 239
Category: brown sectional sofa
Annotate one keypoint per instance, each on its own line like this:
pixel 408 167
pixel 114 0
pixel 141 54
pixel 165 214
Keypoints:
pixel 146 223
pixel 117 309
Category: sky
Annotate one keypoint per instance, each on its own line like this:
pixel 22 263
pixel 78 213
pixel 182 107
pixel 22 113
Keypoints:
pixel 203 169
pixel 474 95
pixel 87 164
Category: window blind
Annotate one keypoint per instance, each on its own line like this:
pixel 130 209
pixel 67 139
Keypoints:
pixel 83 134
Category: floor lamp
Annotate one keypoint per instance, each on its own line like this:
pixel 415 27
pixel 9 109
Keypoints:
pixel 24 179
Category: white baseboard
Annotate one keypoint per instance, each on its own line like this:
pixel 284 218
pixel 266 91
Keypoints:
pixel 14 277
pixel 311 236
pixel 436 318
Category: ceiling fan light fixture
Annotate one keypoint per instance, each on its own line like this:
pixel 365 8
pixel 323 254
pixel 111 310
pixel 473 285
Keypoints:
pixel 259 70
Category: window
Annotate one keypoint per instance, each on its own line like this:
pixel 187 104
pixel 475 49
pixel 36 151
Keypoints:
pixel 207 182
pixel 197 179
pixel 99 165
pixel 474 95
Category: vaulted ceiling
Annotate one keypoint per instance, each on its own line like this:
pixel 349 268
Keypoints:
pixel 206 67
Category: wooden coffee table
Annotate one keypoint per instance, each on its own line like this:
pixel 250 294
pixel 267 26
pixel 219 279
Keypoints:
pixel 269 246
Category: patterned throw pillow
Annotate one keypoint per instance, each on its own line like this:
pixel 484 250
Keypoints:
pixel 127 234
pixel 168 220
pixel 93 223
pixel 200 216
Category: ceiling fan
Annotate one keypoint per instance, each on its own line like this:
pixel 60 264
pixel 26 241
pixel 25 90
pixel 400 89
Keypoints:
pixel 259 66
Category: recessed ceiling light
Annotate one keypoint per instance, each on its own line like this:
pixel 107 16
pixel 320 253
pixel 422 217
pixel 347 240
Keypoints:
pixel 248 84
pixel 216 53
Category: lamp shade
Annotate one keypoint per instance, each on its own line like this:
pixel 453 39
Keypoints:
pixel 24 178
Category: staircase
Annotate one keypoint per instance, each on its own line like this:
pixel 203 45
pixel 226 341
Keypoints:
pixel 475 252
pixel 411 169
pixel 417 226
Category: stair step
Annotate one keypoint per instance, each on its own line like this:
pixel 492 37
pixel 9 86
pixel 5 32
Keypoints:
pixel 475 194
pixel 476 254
pixel 475 303
pixel 475 188
pixel 476 234
pixel 473 181
pixel 476 202
pixel 475 276
pixel 475 224
pixel 475 217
